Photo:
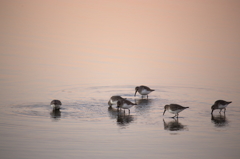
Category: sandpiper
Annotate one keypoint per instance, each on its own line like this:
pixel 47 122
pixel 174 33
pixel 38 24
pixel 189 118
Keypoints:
pixel 174 109
pixel 56 104
pixel 220 104
pixel 125 104
pixel 113 100
pixel 143 90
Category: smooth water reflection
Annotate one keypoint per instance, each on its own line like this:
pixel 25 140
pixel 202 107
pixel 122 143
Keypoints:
pixel 143 102
pixel 55 114
pixel 122 118
pixel 92 123
pixel 174 125
pixel 219 120
pixel 143 105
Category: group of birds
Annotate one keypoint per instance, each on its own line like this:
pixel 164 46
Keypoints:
pixel 123 103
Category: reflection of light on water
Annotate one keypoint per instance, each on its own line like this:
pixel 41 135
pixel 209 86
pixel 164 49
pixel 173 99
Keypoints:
pixel 55 114
pixel 87 117
pixel 33 110
pixel 143 105
pixel 113 112
pixel 143 102
pixel 219 120
pixel 174 125
pixel 121 117
pixel 124 120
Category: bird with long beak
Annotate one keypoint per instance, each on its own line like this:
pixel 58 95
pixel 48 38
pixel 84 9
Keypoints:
pixel 143 90
pixel 125 104
pixel 174 109
pixel 220 104
pixel 56 104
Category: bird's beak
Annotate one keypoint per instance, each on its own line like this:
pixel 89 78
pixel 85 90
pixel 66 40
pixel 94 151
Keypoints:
pixel 164 111
pixel 135 93
pixel 212 111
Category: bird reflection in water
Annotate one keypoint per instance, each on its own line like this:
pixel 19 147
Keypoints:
pixel 55 114
pixel 123 119
pixel 173 125
pixel 113 112
pixel 219 120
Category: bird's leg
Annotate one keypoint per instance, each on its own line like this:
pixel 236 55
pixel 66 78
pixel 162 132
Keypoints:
pixel 220 111
pixel 128 111
pixel 224 110
pixel 119 109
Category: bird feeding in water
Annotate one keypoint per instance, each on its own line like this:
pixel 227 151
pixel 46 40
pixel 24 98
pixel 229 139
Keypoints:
pixel 56 104
pixel 143 90
pixel 220 104
pixel 113 100
pixel 125 104
pixel 174 109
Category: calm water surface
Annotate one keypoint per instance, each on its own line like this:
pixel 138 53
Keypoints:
pixel 84 52
pixel 87 128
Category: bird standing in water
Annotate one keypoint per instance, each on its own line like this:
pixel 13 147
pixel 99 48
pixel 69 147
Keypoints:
pixel 113 100
pixel 143 90
pixel 125 104
pixel 220 104
pixel 56 104
pixel 174 109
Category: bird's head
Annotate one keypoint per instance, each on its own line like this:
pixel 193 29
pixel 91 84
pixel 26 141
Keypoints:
pixel 136 89
pixel 165 108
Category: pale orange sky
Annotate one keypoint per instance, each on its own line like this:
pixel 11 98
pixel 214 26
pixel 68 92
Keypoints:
pixel 132 41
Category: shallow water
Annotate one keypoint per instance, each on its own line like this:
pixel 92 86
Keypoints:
pixel 87 128
pixel 84 52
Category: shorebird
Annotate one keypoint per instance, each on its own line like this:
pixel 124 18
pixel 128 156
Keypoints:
pixel 56 104
pixel 125 104
pixel 174 109
pixel 143 90
pixel 113 100
pixel 220 104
